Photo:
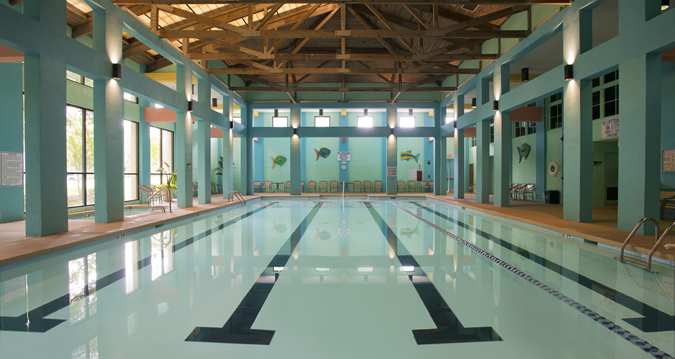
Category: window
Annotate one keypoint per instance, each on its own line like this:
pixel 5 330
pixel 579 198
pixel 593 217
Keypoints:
pixel 75 77
pixel 321 121
pixel 161 155
pixel 80 156
pixel 523 128
pixel 364 121
pixel 605 96
pixel 279 121
pixel 131 98
pixel 130 160
pixel 555 114
pixel 492 133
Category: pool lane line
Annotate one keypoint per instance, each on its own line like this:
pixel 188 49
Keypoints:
pixel 35 321
pixel 449 328
pixel 643 344
pixel 238 328
pixel 653 319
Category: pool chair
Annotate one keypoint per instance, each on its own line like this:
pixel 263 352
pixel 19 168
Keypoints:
pixel 358 186
pixel 530 192
pixel 333 186
pixel 323 186
pixel 302 186
pixel 267 186
pixel 349 187
pixel 378 186
pixel 367 186
pixel 257 186
pixel 311 186
pixel 288 186
pixel 400 186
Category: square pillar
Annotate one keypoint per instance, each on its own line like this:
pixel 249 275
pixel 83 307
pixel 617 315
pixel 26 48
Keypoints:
pixel 503 157
pixel 392 159
pixel 458 163
pixel 45 101
pixel 483 161
pixel 639 140
pixel 295 151
pixel 11 137
pixel 108 130
pixel 247 151
pixel 183 138
pixel 203 138
pixel 143 146
pixel 227 160
pixel 440 154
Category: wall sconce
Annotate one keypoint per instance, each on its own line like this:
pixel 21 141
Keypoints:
pixel 569 72
pixel 391 132
pixel 525 74
pixel 117 71
pixel 495 105
pixel 190 105
pixel 454 124
pixel 231 124
pixel 473 102
pixel 665 5
pixel 295 131
pixel 214 102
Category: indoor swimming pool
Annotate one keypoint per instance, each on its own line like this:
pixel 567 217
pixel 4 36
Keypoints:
pixel 333 278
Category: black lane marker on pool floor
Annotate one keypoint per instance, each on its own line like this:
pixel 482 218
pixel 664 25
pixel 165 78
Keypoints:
pixel 598 318
pixel 35 322
pixel 653 319
pixel 448 329
pixel 238 328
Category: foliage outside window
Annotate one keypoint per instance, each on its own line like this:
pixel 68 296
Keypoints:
pixel 161 155
pixel 130 160
pixel 80 156
pixel 82 80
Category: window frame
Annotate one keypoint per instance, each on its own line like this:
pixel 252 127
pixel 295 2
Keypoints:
pixel 84 173
pixel 602 86
pixel 138 171
pixel 161 173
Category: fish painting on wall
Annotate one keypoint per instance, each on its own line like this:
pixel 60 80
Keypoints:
pixel 523 152
pixel 408 155
pixel 322 152
pixel 278 160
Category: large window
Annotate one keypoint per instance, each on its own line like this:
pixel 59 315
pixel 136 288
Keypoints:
pixel 523 128
pixel 130 161
pixel 80 156
pixel 75 77
pixel 555 111
pixel 161 155
pixel 605 96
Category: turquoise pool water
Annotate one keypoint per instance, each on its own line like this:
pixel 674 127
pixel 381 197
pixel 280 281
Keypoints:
pixel 327 278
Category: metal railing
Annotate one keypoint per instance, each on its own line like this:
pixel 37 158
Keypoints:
pixel 659 238
pixel 656 245
pixel 237 197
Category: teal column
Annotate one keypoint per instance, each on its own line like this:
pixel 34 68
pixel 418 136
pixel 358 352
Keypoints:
pixel 295 151
pixel 540 156
pixel 467 168
pixel 11 137
pixel 203 138
pixel 45 88
pixel 503 157
pixel 344 147
pixel 440 154
pixel 639 140
pixel 143 146
pixel 203 143
pixel 108 130
pixel 183 138
pixel 227 161
pixel 392 160
pixel 458 163
pixel 483 161
pixel 577 151
pixel 247 151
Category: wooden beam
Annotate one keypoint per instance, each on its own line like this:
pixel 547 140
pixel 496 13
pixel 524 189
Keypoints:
pixel 337 34
pixel 441 56
pixel 413 88
pixel 416 2
pixel 336 70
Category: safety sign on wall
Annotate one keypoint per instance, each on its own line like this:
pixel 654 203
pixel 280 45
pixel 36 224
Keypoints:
pixel 11 169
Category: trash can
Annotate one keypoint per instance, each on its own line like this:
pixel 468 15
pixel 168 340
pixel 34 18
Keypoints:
pixel 553 197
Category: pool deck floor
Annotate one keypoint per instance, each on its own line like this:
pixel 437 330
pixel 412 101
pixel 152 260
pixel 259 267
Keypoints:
pixel 15 245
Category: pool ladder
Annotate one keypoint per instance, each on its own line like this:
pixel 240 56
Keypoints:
pixel 659 238
pixel 237 197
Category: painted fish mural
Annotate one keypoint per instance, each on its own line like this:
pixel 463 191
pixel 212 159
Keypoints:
pixel 523 152
pixel 278 160
pixel 408 155
pixel 322 152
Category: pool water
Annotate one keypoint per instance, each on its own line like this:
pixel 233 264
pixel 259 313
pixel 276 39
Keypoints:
pixel 331 278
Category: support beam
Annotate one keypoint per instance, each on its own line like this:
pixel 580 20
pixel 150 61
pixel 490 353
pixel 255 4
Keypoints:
pixel 502 159
pixel 295 152
pixel 337 70
pixel 183 138
pixel 483 161
pixel 392 149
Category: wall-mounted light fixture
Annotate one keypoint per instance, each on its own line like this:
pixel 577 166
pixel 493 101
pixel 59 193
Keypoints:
pixel 214 102
pixel 231 124
pixel 569 72
pixel 525 74
pixel 295 131
pixel 190 105
pixel 474 102
pixel 117 71
pixel 495 105
pixel 391 132
pixel 665 5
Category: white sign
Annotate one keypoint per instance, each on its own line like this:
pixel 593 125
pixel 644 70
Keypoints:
pixel 610 128
pixel 344 156
pixel 11 169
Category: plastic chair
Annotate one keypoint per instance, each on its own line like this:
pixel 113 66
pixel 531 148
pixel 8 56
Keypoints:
pixel 358 187
pixel 367 186
pixel 288 186
pixel 400 186
pixel 333 186
pixel 323 186
pixel 311 186
pixel 379 186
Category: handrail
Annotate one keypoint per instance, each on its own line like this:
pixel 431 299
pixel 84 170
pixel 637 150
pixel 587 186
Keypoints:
pixel 658 244
pixel 640 223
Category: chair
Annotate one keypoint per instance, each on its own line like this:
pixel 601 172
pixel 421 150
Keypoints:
pixel 400 186
pixel 257 186
pixel 428 186
pixel 412 186
pixel 288 186
pixel 367 186
pixel 668 205
pixel 302 186
pixel 311 186
pixel 333 186
pixel 530 191
pixel 358 187
pixel 323 186
pixel 379 186
pixel 350 187
pixel 267 186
